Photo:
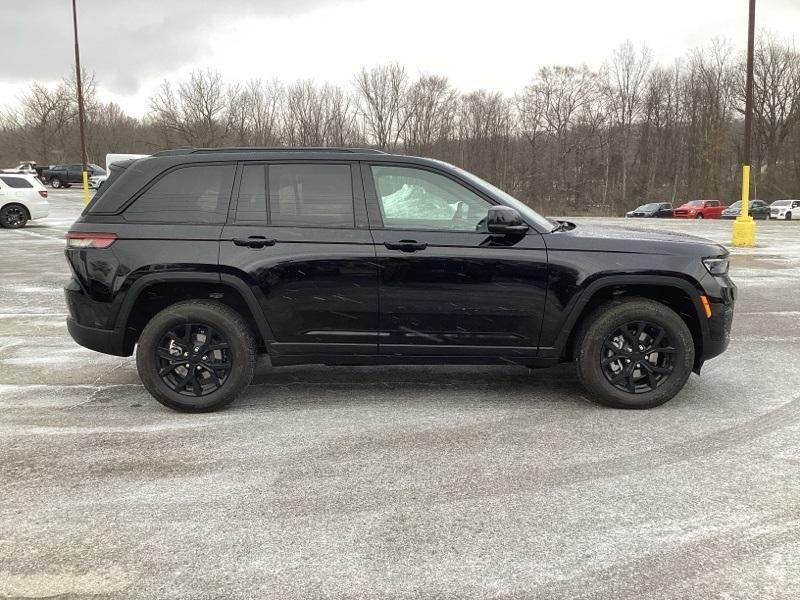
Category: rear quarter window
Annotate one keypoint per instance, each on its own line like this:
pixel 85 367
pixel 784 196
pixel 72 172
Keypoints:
pixel 191 194
pixel 16 182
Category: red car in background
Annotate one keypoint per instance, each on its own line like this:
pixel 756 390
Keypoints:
pixel 699 209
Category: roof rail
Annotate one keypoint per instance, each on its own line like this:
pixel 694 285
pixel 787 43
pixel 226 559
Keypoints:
pixel 190 150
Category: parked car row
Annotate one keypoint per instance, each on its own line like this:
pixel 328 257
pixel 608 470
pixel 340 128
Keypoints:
pixel 714 209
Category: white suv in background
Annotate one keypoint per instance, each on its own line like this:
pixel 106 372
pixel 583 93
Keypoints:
pixel 785 209
pixel 22 197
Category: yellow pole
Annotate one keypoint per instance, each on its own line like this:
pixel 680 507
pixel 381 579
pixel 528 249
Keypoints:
pixel 85 187
pixel 744 228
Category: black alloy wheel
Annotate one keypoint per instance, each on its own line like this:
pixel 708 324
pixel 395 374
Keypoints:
pixel 637 357
pixel 196 355
pixel 633 353
pixel 193 359
pixel 13 216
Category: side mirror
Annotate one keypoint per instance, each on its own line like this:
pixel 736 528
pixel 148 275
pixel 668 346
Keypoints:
pixel 505 220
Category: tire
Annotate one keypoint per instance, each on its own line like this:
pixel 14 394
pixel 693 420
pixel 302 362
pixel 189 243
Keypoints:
pixel 788 216
pixel 153 355
pixel 55 183
pixel 699 216
pixel 592 349
pixel 13 216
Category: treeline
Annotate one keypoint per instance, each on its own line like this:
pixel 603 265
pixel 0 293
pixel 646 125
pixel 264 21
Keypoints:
pixel 574 141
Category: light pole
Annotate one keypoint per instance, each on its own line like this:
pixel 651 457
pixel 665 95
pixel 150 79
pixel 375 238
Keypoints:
pixel 744 228
pixel 81 118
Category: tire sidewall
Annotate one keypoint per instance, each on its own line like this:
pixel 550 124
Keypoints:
pixel 241 350
pixel 55 183
pixel 588 355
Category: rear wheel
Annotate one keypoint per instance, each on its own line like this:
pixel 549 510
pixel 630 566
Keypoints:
pixel 13 216
pixel 196 356
pixel 634 353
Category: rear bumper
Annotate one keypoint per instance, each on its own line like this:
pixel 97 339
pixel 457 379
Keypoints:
pixel 89 321
pixel 107 341
pixel 39 209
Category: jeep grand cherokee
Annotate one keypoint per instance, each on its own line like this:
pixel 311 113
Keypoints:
pixel 202 259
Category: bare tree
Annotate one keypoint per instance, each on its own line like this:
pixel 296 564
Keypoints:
pixel 382 92
pixel 197 113
pixel 624 79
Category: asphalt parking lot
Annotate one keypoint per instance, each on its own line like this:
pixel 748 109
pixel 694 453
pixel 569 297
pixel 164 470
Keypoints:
pixel 412 482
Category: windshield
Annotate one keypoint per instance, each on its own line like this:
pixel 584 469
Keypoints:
pixel 695 203
pixel 653 206
pixel 526 211
pixel 781 203
pixel 738 205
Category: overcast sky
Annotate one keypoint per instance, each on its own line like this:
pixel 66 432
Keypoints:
pixel 132 45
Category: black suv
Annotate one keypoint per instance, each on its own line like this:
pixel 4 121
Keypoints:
pixel 201 259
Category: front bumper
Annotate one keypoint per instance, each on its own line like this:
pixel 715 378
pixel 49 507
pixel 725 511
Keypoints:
pixel 721 292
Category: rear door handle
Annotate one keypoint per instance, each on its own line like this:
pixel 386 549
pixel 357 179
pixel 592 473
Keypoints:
pixel 406 245
pixel 254 241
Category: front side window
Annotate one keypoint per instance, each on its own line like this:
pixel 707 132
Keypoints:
pixel 311 195
pixel 412 198
pixel 196 194
pixel 16 182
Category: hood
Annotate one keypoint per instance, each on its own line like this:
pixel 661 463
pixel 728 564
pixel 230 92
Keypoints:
pixel 617 238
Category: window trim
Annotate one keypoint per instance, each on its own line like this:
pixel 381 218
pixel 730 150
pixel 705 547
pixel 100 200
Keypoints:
pixel 373 202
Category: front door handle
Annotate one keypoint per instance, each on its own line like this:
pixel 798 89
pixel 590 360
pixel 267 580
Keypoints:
pixel 254 241
pixel 406 245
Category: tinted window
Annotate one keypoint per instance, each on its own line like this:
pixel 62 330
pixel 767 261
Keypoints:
pixel 16 182
pixel 252 204
pixel 197 194
pixel 311 195
pixel 417 199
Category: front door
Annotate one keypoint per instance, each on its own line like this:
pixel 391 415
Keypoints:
pixel 446 285
pixel 299 236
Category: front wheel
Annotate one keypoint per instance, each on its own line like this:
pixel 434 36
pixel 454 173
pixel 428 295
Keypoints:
pixel 788 216
pixel 700 216
pixel 196 356
pixel 634 353
pixel 55 183
pixel 13 216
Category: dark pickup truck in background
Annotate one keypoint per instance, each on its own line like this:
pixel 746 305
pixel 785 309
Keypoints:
pixel 65 175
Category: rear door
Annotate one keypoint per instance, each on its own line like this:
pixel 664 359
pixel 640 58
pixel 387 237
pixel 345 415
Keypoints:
pixel 299 237
pixel 447 287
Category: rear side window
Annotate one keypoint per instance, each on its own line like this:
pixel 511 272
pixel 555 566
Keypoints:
pixel 195 194
pixel 311 195
pixel 16 182
pixel 252 204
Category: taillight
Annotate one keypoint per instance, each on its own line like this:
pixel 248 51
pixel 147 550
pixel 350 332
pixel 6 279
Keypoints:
pixel 80 239
pixel 43 193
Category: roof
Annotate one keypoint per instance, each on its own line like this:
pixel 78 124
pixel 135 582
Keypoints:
pixel 248 150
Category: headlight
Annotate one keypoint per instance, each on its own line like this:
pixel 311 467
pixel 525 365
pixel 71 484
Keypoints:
pixel 717 266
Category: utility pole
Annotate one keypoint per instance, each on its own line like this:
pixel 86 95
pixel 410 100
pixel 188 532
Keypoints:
pixel 744 228
pixel 81 116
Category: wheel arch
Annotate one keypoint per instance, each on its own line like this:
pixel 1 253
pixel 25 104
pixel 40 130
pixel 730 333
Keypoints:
pixel 152 293
pixel 20 204
pixel 678 294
